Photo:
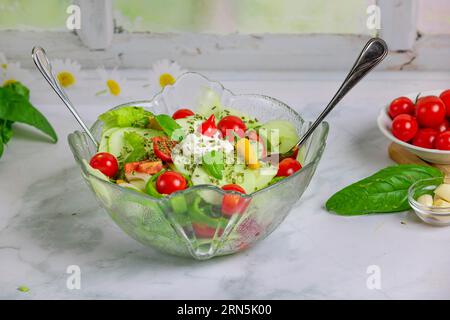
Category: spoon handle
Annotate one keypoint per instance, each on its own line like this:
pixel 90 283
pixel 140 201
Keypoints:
pixel 44 66
pixel 372 54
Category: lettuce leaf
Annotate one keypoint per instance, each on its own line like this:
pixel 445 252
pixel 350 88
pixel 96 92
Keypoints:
pixel 134 148
pixel 129 116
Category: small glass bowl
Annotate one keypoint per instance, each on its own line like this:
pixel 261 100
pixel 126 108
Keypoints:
pixel 438 216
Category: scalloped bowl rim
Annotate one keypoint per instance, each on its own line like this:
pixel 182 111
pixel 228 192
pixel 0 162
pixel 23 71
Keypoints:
pixel 383 115
pixel 313 161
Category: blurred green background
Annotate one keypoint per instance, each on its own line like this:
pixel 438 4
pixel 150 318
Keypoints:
pixel 208 16
pixel 222 16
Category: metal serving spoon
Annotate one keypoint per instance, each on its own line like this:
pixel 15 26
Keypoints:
pixel 44 66
pixel 371 55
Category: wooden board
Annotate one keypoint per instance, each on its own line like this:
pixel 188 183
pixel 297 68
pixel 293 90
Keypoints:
pixel 403 156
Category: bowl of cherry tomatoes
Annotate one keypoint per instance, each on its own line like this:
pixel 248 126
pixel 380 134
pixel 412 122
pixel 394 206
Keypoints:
pixel 420 122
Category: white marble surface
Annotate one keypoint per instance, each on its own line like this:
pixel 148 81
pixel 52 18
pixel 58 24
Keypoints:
pixel 49 219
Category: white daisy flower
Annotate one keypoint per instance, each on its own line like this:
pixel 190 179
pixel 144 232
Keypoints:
pixel 112 82
pixel 163 73
pixel 12 72
pixel 68 72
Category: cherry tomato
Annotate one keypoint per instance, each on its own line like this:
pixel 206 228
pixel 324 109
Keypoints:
pixel 444 126
pixel 106 163
pixel 442 141
pixel 445 97
pixel 287 167
pixel 233 203
pixel 208 128
pixel 430 111
pixel 204 231
pixel 425 138
pixel 404 127
pixel 182 113
pixel 149 167
pixel 162 147
pixel 231 125
pixel 401 105
pixel 169 182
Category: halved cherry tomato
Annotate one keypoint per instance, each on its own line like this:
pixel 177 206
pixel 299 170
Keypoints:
pixel 131 166
pixel 208 128
pixel 445 97
pixel 169 182
pixel 162 147
pixel 233 203
pixel 425 138
pixel 182 113
pixel 430 111
pixel 404 127
pixel 231 126
pixel 401 105
pixel 287 167
pixel 106 163
pixel 444 126
pixel 442 141
pixel 204 231
pixel 149 167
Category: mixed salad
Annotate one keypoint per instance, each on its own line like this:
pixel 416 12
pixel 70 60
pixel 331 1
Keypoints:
pixel 160 154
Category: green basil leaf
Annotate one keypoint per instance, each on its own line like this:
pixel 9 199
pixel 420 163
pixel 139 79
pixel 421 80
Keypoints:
pixel 213 164
pixel 15 107
pixel 18 88
pixel 167 124
pixel 1 146
pixel 5 130
pixel 385 191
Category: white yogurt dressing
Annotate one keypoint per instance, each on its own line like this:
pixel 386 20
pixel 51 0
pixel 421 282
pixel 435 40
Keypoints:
pixel 195 145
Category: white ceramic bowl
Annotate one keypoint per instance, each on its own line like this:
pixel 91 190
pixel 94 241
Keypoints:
pixel 430 155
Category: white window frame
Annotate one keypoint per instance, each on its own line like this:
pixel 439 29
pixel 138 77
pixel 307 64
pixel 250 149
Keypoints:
pixel 97 44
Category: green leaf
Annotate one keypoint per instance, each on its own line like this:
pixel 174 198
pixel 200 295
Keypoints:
pixel 134 148
pixel 15 107
pixel 23 289
pixel 385 191
pixel 1 147
pixel 18 88
pixel 126 117
pixel 213 164
pixel 167 124
pixel 5 130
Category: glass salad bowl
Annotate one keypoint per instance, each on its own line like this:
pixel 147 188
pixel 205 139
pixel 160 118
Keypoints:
pixel 181 223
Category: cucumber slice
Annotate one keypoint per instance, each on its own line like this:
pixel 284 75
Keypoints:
pixel 199 176
pixel 104 142
pixel 115 142
pixel 287 135
pixel 237 174
pixel 190 124
pixel 264 175
pixel 209 103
